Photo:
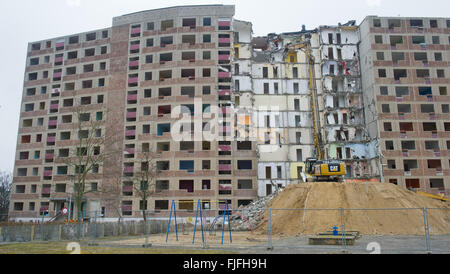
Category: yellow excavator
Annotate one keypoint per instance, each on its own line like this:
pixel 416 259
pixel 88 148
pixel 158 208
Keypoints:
pixel 324 170
pixel 318 169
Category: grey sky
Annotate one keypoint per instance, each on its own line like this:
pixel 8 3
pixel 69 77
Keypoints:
pixel 24 21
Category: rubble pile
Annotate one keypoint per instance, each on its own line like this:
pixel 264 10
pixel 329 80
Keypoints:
pixel 248 217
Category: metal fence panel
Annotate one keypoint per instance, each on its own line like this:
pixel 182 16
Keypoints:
pixel 439 229
pixel 328 230
pixel 386 230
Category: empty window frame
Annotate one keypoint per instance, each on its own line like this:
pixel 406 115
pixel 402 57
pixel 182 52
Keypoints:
pixel 400 73
pixel 416 23
pixel 378 39
pixel 401 91
pixel 398 56
pixel 166 24
pixel 418 39
pixel 394 23
pixel 189 22
pixel 420 56
pixel 91 36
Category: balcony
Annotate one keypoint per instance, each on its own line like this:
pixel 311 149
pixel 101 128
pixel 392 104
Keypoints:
pixel 225 110
pixel 57 75
pixel 134 64
pixel 222 207
pixel 224 92
pixel 223 57
pixel 127 208
pixel 133 80
pixel 135 47
pixel 128 169
pixel 132 97
pixel 224 23
pixel 224 40
pixel 59 60
pixel 224 167
pixel 135 30
pixel 49 156
pixel 225 187
pixel 54 107
pixel 225 147
pixel 51 139
pixel 130 133
pixel 127 189
pixel 59 45
pixel 224 74
pixel 131 115
pixel 52 123
pixel 130 150
pixel 47 173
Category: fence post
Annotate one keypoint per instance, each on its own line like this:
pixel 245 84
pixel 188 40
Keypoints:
pixel 427 230
pixel 42 228
pixel 95 224
pixel 146 230
pixel 32 233
pixel 269 229
pixel 343 229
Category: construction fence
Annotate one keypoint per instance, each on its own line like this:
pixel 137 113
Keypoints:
pixel 387 230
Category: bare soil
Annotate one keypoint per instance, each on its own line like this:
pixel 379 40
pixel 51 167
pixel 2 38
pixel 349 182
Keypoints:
pixel 317 210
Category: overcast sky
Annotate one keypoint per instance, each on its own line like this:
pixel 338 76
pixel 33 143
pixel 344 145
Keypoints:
pixel 23 21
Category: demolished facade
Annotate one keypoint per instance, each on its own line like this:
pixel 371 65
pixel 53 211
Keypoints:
pixel 282 101
pixel 344 130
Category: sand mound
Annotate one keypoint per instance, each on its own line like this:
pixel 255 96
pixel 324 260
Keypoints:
pixel 353 196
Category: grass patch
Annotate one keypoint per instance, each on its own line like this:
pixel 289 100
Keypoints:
pixel 60 248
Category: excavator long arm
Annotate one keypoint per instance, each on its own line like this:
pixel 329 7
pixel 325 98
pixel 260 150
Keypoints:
pixel 314 107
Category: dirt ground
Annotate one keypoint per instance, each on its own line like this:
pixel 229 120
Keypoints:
pixel 401 221
pixel 237 239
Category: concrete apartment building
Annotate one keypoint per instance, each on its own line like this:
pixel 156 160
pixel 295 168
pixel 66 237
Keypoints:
pixel 195 71
pixel 131 77
pixel 405 73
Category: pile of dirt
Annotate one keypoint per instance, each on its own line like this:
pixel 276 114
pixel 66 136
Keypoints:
pixel 404 217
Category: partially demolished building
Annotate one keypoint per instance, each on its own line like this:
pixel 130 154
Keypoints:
pixel 344 133
pixel 281 99
pixel 282 91
pixel 266 100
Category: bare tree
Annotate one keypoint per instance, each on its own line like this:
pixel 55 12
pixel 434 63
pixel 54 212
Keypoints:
pixel 5 192
pixel 144 180
pixel 89 154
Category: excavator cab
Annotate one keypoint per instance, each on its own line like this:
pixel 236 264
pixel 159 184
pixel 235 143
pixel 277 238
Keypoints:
pixel 309 165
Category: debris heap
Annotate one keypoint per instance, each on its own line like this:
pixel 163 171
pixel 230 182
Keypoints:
pixel 392 210
pixel 248 217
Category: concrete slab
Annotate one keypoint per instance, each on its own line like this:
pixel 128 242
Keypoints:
pixel 331 240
